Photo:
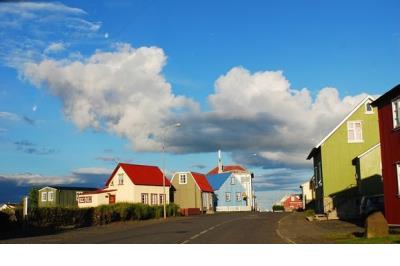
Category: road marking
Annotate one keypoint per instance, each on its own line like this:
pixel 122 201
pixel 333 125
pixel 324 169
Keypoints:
pixel 278 232
pixel 207 230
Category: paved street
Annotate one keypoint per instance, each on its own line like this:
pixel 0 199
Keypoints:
pixel 235 228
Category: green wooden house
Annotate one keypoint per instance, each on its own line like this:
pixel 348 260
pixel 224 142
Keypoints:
pixel 336 183
pixel 56 196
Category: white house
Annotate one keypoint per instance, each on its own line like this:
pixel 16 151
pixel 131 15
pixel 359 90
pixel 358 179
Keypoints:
pixel 129 183
pixel 307 193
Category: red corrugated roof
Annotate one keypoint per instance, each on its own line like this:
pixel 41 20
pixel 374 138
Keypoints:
pixel 141 174
pixel 202 182
pixel 227 168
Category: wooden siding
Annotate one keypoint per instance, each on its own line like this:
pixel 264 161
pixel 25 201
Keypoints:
pixel 390 147
pixel 186 195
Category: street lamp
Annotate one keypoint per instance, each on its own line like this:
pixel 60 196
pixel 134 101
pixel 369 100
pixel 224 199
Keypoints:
pixel 163 165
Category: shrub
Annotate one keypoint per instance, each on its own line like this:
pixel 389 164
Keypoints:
pixel 278 208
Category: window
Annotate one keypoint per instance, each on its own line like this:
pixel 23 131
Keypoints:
pixel 50 196
pixel 238 196
pixel 227 196
pixel 120 179
pixel 81 199
pixel 44 196
pixel 182 179
pixel 153 199
pixel 398 178
pixel 145 198
pixel 162 198
pixel 396 113
pixel 233 180
pixel 354 131
pixel 368 108
pixel 88 199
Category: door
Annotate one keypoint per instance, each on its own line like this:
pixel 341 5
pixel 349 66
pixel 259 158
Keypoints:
pixel 111 199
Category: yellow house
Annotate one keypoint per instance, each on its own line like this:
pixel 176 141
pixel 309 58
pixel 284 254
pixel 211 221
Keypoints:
pixel 130 183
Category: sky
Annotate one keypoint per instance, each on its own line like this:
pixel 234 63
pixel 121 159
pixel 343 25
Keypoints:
pixel 87 84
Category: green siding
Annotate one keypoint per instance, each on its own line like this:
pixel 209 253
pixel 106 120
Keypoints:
pixel 370 173
pixel 337 154
pixel 186 195
pixel 62 198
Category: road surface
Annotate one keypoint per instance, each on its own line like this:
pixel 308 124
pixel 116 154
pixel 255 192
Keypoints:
pixel 220 228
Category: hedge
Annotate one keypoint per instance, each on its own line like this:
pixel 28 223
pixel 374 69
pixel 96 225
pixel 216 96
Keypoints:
pixel 278 208
pixel 104 214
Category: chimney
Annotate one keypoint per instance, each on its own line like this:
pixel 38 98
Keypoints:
pixel 219 162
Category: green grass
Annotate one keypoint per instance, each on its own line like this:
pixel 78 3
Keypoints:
pixel 351 239
pixel 309 212
pixel 391 239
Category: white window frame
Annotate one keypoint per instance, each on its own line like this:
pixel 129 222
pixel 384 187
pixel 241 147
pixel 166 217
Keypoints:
pixel 120 179
pixel 52 196
pixel 233 180
pixel 184 180
pixel 398 177
pixel 238 196
pixel 396 113
pixel 162 197
pixel 144 198
pixel 227 196
pixel 154 199
pixel 44 196
pixel 366 108
pixel 355 140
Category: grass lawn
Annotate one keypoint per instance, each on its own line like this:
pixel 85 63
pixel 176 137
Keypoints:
pixel 352 239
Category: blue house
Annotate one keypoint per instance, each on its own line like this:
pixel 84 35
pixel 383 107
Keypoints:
pixel 230 194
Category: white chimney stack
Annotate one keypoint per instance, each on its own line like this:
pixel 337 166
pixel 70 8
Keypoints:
pixel 219 162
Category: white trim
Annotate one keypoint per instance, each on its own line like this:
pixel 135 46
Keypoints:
pixel 46 188
pixel 185 175
pixel 43 199
pixel 354 122
pixel 369 150
pixel 365 108
pixel 395 124
pixel 398 177
pixel 369 97
pixel 52 196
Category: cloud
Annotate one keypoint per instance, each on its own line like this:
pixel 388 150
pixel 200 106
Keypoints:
pixel 121 91
pixel 261 113
pixel 31 148
pixel 36 179
pixel 3 130
pixel 54 47
pixel 16 118
pixel 9 116
pixel 199 166
pixel 89 176
pixel 30 31
pixel 281 179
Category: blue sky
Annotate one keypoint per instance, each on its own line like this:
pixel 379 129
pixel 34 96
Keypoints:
pixel 85 84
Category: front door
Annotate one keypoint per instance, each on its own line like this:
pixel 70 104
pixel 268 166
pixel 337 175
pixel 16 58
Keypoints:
pixel 111 199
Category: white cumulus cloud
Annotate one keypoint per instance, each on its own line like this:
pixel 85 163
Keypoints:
pixel 122 91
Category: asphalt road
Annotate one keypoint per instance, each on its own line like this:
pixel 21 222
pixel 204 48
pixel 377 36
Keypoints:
pixel 228 228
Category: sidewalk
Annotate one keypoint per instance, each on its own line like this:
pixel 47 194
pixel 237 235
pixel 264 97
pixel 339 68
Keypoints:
pixel 294 228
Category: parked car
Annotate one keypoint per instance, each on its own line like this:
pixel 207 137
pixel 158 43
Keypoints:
pixel 370 204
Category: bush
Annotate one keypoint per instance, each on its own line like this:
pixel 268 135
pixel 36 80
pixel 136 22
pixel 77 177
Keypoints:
pixel 278 208
pixel 104 214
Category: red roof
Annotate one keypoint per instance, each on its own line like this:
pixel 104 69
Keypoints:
pixel 227 168
pixel 202 182
pixel 141 174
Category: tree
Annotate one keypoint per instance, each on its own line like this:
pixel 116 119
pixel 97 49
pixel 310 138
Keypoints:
pixel 33 197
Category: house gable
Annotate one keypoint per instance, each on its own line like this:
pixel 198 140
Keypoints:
pixel 337 152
